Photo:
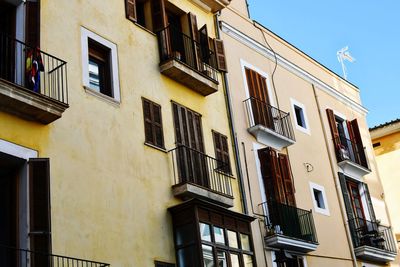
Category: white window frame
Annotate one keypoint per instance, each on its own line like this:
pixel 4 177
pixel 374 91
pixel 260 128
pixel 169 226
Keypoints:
pixel 273 258
pixel 85 35
pixel 305 129
pixel 320 188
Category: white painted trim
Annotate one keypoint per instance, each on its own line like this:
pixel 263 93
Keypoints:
pixel 256 46
pixel 306 129
pixel 17 150
pixel 320 188
pixel 85 34
pixel 364 202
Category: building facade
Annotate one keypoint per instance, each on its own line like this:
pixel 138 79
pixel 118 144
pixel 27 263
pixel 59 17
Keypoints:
pixel 305 154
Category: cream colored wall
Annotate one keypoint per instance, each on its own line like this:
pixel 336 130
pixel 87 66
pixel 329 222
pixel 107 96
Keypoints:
pixel 110 192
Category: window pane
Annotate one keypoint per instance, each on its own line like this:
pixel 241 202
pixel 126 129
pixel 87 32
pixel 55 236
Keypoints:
pixel 232 239
pixel 205 232
pixel 247 260
pixel 207 256
pixel 244 239
pixel 222 259
pixel 235 260
pixel 184 234
pixel 186 256
pixel 94 75
pixel 219 235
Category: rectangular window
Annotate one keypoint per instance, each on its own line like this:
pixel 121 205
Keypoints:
pixel 221 151
pixel 99 68
pixel 319 198
pixel 300 116
pixel 153 123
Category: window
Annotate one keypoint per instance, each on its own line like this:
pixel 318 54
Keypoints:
pixel 299 113
pixel 99 66
pixel 290 259
pixel 221 151
pixel 319 198
pixel 163 264
pixel 378 144
pixel 153 123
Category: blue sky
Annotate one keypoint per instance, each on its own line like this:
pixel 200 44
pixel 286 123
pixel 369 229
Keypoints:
pixel 370 28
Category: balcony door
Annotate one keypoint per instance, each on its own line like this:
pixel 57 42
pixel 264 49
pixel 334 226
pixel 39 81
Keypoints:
pixel 192 162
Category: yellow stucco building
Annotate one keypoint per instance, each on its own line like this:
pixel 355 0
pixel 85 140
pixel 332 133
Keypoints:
pixel 386 142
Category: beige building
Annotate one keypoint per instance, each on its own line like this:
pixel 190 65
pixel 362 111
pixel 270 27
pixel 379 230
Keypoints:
pixel 386 142
pixel 305 155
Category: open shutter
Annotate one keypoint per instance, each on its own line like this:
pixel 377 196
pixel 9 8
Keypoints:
pixel 32 23
pixel 359 145
pixel 195 49
pixel 334 131
pixel 204 45
pixel 130 10
pixel 159 15
pixel 369 203
pixel 287 179
pixel 39 209
pixel 346 197
pixel 220 55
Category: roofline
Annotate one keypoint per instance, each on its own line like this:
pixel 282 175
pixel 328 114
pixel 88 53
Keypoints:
pixel 385 129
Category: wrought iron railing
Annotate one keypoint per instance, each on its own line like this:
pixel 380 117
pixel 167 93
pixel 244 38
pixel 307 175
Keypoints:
pixel 16 257
pixel 350 150
pixel 173 44
pixel 289 221
pixel 31 68
pixel 372 234
pixel 261 113
pixel 192 166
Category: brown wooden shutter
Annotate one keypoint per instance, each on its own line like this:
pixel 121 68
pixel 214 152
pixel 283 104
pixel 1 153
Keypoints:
pixel 130 10
pixel 334 131
pixel 359 144
pixel 32 23
pixel 39 208
pixel 220 55
pixel 157 124
pixel 153 123
pixel 193 29
pixel 222 150
pixel 204 45
pixel 287 180
pixel 159 15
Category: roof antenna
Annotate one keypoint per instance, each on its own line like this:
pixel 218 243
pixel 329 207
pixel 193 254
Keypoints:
pixel 342 55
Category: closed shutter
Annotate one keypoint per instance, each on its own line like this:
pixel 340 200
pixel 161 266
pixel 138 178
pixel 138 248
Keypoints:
pixel 359 145
pixel 220 55
pixel 346 197
pixel 334 131
pixel 39 209
pixel 130 10
pixel 221 150
pixel 32 23
pixel 369 202
pixel 287 180
pixel 153 123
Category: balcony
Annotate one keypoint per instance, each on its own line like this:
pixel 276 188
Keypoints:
pixel 10 256
pixel 351 157
pixel 372 241
pixel 197 175
pixel 214 5
pixel 186 61
pixel 269 125
pixel 33 84
pixel 288 227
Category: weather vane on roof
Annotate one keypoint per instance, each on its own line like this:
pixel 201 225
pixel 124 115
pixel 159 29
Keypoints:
pixel 342 55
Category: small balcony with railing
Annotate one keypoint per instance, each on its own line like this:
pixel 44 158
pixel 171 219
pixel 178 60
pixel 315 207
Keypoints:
pixel 288 227
pixel 373 241
pixel 269 125
pixel 197 175
pixel 16 257
pixel 351 157
pixel 186 61
pixel 33 83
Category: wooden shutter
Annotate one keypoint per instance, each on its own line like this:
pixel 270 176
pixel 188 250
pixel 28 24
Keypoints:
pixel 222 150
pixel 39 209
pixel 204 45
pixel 287 180
pixel 159 15
pixel 359 144
pixel 32 23
pixel 193 52
pixel 193 29
pixel 220 55
pixel 346 197
pixel 334 131
pixel 130 10
pixel 153 123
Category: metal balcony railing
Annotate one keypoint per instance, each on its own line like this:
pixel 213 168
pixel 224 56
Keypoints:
pixel 261 113
pixel 350 150
pixel 289 221
pixel 173 44
pixel 192 166
pixel 372 234
pixel 31 68
pixel 17 257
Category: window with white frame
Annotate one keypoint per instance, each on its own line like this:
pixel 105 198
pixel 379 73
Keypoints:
pixel 300 116
pixel 99 65
pixel 319 198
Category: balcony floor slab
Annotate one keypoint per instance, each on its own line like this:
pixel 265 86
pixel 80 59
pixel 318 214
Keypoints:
pixel 270 138
pixel 289 243
pixel 374 254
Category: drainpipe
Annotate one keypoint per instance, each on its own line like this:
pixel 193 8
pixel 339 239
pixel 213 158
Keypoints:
pixel 232 128
pixel 337 183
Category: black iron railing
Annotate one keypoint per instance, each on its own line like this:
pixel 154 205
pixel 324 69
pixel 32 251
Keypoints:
pixel 192 166
pixel 173 44
pixel 261 113
pixel 33 69
pixel 16 257
pixel 350 150
pixel 372 234
pixel 289 221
